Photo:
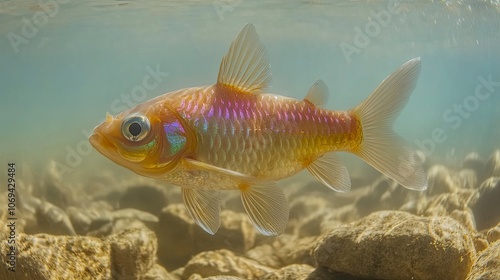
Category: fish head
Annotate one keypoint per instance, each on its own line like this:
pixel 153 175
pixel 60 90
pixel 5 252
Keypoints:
pixel 148 142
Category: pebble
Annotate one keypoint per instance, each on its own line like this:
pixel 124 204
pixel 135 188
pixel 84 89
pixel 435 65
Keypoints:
pixel 487 207
pixel 492 167
pixel 290 272
pixel 146 198
pixel 224 262
pixel 53 220
pixel 440 181
pixel 473 161
pixel 493 234
pixel 158 272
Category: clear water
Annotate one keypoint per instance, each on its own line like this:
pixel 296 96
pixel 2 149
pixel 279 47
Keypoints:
pixel 64 64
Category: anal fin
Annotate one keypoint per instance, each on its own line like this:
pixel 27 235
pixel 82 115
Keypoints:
pixel 204 207
pixel 329 171
pixel 266 207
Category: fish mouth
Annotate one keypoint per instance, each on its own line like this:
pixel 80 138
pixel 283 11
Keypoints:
pixel 107 148
pixel 98 141
pixel 102 145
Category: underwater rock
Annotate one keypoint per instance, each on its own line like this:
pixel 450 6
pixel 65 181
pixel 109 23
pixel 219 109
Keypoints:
pixel 383 194
pixel 465 217
pixel 413 247
pixel 284 250
pixel 133 251
pixel 302 188
pixel 180 238
pixel 264 254
pixel 52 220
pixel 175 239
pixel 80 221
pixel 298 251
pixel 487 266
pixel 480 241
pixel 42 256
pixel 412 205
pixel 370 200
pixel 493 234
pixel 236 233
pixel 106 224
pixel 487 207
pixel 130 213
pixel 291 272
pixel 302 207
pixel 444 204
pixel 467 178
pixel 218 277
pixel 53 191
pixel 146 198
pixel 492 167
pixel 322 273
pixel 158 272
pixel 311 224
pixel 474 162
pixel 439 180
pixel 224 262
pixel 99 213
pixel 329 223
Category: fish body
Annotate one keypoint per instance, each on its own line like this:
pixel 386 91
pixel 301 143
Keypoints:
pixel 233 135
pixel 266 136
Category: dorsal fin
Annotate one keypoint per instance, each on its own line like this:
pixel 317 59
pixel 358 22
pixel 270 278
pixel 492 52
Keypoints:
pixel 318 94
pixel 246 65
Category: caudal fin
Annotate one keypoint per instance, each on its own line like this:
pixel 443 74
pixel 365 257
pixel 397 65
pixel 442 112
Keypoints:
pixel 381 147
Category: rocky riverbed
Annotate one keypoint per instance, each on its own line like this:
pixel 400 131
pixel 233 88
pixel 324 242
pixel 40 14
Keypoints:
pixel 377 231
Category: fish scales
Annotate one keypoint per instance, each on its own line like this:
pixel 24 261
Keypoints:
pixel 266 136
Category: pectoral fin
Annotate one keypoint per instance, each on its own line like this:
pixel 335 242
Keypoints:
pixel 237 176
pixel 204 207
pixel 266 207
pixel 329 171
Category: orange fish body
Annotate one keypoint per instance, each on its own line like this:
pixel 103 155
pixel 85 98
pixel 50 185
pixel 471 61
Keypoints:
pixel 233 136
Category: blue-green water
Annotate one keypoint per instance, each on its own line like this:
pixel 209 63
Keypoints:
pixel 64 64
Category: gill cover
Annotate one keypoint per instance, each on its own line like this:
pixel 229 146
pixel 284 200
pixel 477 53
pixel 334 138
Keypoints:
pixel 175 135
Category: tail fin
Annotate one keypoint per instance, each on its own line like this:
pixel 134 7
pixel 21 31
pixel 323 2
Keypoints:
pixel 381 147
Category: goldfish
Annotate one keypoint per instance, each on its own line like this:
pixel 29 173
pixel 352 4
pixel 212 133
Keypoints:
pixel 234 135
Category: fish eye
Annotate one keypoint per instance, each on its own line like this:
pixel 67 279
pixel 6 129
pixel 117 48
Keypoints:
pixel 135 127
